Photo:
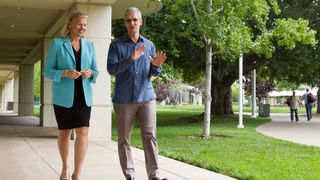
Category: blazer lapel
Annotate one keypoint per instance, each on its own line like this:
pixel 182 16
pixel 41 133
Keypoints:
pixel 67 45
pixel 82 46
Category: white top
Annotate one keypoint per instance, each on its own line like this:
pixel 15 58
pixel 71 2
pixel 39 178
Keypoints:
pixel 294 102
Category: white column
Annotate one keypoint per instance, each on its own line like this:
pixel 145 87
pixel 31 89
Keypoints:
pixel 25 107
pixel 99 32
pixel 253 95
pixel 47 117
pixel 194 99
pixel 9 94
pixel 2 97
pixel 200 99
pixel 16 92
pixel 240 125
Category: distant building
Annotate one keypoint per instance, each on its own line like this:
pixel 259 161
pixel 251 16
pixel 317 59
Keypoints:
pixel 278 97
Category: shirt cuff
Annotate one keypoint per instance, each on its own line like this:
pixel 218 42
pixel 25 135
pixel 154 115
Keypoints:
pixel 155 67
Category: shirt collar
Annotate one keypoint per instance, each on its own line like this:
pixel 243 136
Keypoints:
pixel 127 38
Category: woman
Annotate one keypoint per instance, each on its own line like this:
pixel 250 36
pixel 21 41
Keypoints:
pixel 71 65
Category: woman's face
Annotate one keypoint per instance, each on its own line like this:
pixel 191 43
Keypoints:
pixel 78 26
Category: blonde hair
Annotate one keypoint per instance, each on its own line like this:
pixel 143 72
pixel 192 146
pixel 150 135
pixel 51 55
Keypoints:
pixel 66 27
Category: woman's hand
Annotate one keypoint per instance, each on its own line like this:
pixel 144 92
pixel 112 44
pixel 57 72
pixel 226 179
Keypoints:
pixel 73 74
pixel 87 73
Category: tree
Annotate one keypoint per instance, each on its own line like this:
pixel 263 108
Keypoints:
pixel 208 72
pixel 262 90
pixel 285 85
pixel 301 65
pixel 249 28
pixel 168 84
pixel 169 92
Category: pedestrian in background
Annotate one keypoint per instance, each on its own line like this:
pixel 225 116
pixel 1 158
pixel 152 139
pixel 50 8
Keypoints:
pixel 309 100
pixel 293 104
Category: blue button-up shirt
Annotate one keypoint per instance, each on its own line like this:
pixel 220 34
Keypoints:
pixel 132 78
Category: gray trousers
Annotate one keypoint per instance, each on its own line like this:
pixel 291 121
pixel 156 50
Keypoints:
pixel 145 113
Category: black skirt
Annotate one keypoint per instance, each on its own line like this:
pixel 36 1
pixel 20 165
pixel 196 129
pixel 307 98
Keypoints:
pixel 76 116
pixel 79 114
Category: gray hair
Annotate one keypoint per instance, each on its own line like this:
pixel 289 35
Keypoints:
pixel 66 27
pixel 133 10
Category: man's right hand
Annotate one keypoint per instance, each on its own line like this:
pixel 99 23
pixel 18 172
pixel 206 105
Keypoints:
pixel 137 52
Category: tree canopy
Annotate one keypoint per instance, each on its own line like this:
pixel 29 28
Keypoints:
pixel 257 30
pixel 302 64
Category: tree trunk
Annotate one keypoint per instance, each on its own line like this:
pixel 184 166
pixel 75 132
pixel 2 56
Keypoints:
pixel 221 99
pixel 318 102
pixel 207 92
pixel 224 75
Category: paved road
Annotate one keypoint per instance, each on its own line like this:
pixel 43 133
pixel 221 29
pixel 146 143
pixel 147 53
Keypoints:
pixel 302 132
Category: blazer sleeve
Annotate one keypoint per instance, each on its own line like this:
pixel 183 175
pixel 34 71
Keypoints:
pixel 95 71
pixel 50 66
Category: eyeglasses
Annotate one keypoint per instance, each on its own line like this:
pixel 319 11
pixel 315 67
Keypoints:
pixel 132 20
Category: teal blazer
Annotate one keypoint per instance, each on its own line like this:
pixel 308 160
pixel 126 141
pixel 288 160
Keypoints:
pixel 61 57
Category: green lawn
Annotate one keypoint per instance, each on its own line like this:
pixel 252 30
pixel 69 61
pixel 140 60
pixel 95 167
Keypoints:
pixel 37 111
pixel 274 109
pixel 199 108
pixel 240 153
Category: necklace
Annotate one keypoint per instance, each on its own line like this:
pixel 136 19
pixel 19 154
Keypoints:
pixel 75 42
pixel 75 45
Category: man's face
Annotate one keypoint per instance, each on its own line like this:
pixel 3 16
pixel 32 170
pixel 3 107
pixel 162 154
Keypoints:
pixel 133 23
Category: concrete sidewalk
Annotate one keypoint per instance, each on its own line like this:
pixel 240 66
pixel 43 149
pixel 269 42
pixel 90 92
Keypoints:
pixel 29 152
pixel 302 132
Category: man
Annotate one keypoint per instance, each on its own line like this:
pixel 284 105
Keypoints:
pixel 133 60
pixel 294 103
pixel 308 104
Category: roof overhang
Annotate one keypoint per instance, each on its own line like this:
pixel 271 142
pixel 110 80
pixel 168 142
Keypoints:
pixel 24 23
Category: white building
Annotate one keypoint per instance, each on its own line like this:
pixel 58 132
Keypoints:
pixel 277 97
